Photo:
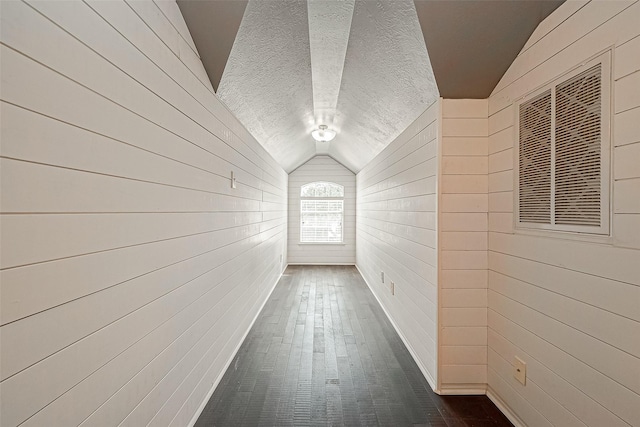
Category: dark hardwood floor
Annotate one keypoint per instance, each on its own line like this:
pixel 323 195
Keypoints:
pixel 323 352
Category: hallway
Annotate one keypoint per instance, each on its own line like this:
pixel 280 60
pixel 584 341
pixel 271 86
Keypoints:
pixel 322 352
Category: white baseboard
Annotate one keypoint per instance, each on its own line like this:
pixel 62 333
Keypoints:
pixel 424 371
pixel 233 356
pixel 462 389
pixel 321 263
pixel 504 408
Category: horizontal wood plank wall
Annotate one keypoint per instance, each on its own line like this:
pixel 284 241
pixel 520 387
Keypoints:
pixel 131 270
pixel 462 247
pixel 569 308
pixel 322 168
pixel 396 234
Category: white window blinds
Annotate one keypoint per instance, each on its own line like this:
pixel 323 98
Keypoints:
pixel 321 212
pixel 321 221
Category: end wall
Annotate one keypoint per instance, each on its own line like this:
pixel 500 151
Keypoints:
pixel 130 269
pixel 396 234
pixel 322 168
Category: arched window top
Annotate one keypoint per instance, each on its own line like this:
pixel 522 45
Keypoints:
pixel 322 189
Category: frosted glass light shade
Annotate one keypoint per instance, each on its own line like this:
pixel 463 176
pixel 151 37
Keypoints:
pixel 323 134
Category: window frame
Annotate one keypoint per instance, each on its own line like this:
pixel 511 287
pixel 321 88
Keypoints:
pixel 604 230
pixel 319 198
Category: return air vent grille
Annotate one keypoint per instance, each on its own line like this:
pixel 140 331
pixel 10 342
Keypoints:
pixel 563 152
pixel 578 149
pixel 535 160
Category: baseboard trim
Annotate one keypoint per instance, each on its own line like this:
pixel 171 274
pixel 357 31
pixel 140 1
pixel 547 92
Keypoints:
pixel 462 389
pixel 504 408
pixel 321 263
pixel 424 371
pixel 233 356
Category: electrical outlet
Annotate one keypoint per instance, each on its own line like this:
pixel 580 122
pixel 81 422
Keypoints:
pixel 393 288
pixel 233 180
pixel 520 370
pixel 382 276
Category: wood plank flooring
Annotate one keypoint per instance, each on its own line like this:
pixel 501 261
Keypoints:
pixel 323 352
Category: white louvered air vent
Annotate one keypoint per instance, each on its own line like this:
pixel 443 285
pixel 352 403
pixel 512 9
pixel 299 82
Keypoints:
pixel 563 152
pixel 578 149
pixel 534 171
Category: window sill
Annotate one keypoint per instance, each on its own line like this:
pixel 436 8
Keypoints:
pixel 321 244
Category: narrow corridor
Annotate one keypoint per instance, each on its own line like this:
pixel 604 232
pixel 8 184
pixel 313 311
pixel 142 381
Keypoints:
pixel 322 352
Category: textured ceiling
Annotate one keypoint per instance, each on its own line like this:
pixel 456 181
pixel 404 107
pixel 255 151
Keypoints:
pixel 387 81
pixel 359 66
pixel 267 81
pixel 329 27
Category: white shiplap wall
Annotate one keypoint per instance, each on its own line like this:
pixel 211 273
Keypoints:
pixel 322 168
pixel 130 269
pixel 569 308
pixel 462 247
pixel 396 233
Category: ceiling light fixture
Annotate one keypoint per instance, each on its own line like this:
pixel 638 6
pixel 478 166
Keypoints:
pixel 323 134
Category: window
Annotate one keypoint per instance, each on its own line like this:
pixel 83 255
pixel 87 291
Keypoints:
pixel 321 212
pixel 563 153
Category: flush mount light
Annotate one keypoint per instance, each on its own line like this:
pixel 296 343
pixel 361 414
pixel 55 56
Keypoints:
pixel 323 134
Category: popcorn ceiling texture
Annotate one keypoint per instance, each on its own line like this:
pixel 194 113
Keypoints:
pixel 329 26
pixel 360 66
pixel 267 80
pixel 387 81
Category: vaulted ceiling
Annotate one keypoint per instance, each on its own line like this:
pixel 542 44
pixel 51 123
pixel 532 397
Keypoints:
pixel 359 66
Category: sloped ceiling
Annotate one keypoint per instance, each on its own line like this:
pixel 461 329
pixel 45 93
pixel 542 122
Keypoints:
pixel 213 26
pixel 472 43
pixel 268 82
pixel 359 66
pixel 387 81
